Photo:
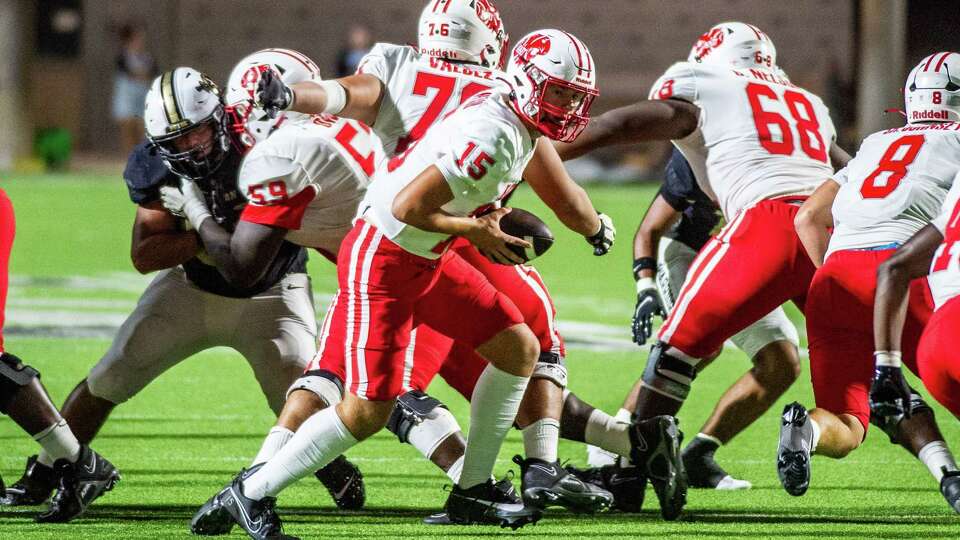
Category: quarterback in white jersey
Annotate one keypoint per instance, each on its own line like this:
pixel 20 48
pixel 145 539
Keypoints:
pixel 892 188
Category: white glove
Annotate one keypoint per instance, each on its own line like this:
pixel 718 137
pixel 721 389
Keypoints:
pixel 602 240
pixel 187 202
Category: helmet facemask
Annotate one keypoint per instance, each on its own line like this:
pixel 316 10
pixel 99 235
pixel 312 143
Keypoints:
pixel 557 122
pixel 202 159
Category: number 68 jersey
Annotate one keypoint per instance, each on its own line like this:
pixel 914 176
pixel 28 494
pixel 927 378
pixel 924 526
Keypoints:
pixel 944 275
pixel 759 136
pixel 895 185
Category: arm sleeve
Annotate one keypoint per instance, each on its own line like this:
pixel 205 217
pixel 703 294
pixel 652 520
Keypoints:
pixel 951 208
pixel 679 185
pixel 842 176
pixel 478 161
pixel 277 188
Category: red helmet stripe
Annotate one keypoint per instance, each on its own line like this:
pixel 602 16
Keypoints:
pixel 446 5
pixel 929 61
pixel 756 31
pixel 579 55
pixel 435 6
pixel 941 61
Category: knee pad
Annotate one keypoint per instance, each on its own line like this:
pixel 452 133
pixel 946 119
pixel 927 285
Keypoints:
pixel 321 382
pixel 668 375
pixel 416 409
pixel 891 424
pixel 14 375
pixel 550 366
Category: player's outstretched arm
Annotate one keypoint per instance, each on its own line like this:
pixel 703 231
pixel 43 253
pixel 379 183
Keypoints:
pixel 643 121
pixel 419 204
pixel 815 219
pixel 156 241
pixel 659 218
pixel 356 96
pixel 838 157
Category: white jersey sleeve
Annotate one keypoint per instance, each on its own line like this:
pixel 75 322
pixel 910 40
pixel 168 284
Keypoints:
pixel 481 150
pixel 897 183
pixel 944 278
pixel 759 136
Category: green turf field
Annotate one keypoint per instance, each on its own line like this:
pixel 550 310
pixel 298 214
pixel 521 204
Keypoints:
pixel 185 436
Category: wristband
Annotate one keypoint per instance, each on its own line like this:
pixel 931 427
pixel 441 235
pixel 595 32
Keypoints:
pixel 645 283
pixel 336 97
pixel 643 263
pixel 887 358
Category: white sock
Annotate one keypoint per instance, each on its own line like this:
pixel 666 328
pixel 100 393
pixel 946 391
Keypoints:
pixel 816 435
pixel 320 439
pixel 493 410
pixel 936 455
pixel 608 433
pixel 541 438
pixel 58 442
pixel 276 438
pixel 431 432
pixel 453 473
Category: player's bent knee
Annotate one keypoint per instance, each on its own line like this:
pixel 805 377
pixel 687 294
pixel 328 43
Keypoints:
pixel 667 373
pixel 550 366
pixel 777 364
pixel 422 420
pixel 362 417
pixel 324 384
pixel 514 350
pixel 14 375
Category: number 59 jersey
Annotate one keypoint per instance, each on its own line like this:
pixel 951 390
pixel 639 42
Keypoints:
pixel 895 185
pixel 759 136
pixel 419 90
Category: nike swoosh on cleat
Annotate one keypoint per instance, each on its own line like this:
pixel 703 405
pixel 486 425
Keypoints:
pixel 551 470
pixel 93 464
pixel 254 526
pixel 616 480
pixel 346 486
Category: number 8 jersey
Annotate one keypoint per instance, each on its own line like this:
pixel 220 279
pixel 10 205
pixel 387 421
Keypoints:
pixel 759 136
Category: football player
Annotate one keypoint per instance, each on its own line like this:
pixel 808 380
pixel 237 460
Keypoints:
pixel 393 267
pixel 190 306
pixel 892 189
pixel 933 249
pixel 676 226
pixel 758 146
pixel 400 91
pixel 79 474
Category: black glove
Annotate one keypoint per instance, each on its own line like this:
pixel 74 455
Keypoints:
pixel 648 305
pixel 603 239
pixel 273 95
pixel 889 393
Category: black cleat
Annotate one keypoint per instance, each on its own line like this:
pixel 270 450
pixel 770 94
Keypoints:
pixel 212 519
pixel 344 482
pixel 34 487
pixel 548 484
pixel 626 484
pixel 702 468
pixel 258 519
pixel 656 452
pixel 80 484
pixel 950 488
pixel 485 504
pixel 793 454
pixel 504 486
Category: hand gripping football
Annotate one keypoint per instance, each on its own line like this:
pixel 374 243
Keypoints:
pixel 529 227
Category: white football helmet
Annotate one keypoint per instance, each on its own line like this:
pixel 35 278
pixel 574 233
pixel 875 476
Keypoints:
pixel 179 103
pixel 549 62
pixel 735 44
pixel 932 90
pixel 464 30
pixel 250 124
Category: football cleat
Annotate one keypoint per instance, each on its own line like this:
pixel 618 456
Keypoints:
pixel 258 519
pixel 793 454
pixel 703 471
pixel 548 484
pixel 344 482
pixel 504 486
pixel 950 488
pixel 80 484
pixel 655 450
pixel 485 504
pixel 212 519
pixel 34 487
pixel 626 484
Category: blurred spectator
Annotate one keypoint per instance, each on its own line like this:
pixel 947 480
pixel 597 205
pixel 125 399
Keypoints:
pixel 358 44
pixel 135 70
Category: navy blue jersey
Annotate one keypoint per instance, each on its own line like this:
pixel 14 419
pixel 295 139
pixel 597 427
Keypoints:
pixel 146 173
pixel 699 214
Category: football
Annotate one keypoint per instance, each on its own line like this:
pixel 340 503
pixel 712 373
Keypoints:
pixel 523 224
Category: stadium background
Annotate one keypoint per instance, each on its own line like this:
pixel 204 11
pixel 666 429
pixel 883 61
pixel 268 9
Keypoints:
pixel 183 437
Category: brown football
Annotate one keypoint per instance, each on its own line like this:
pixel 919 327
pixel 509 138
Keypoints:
pixel 529 227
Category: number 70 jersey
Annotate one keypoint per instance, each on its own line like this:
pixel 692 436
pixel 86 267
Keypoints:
pixel 759 136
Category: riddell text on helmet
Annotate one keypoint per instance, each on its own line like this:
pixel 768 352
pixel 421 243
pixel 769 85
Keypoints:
pixel 929 115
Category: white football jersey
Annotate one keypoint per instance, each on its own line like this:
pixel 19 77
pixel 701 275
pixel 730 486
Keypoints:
pixel 419 90
pixel 309 176
pixel 944 278
pixel 759 136
pixel 481 150
pixel 894 185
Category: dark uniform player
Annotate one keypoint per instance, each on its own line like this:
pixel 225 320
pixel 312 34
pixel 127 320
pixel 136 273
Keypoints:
pixel 190 306
pixel 24 399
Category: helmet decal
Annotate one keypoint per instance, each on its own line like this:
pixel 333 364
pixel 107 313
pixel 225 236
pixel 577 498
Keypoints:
pixel 533 45
pixel 708 42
